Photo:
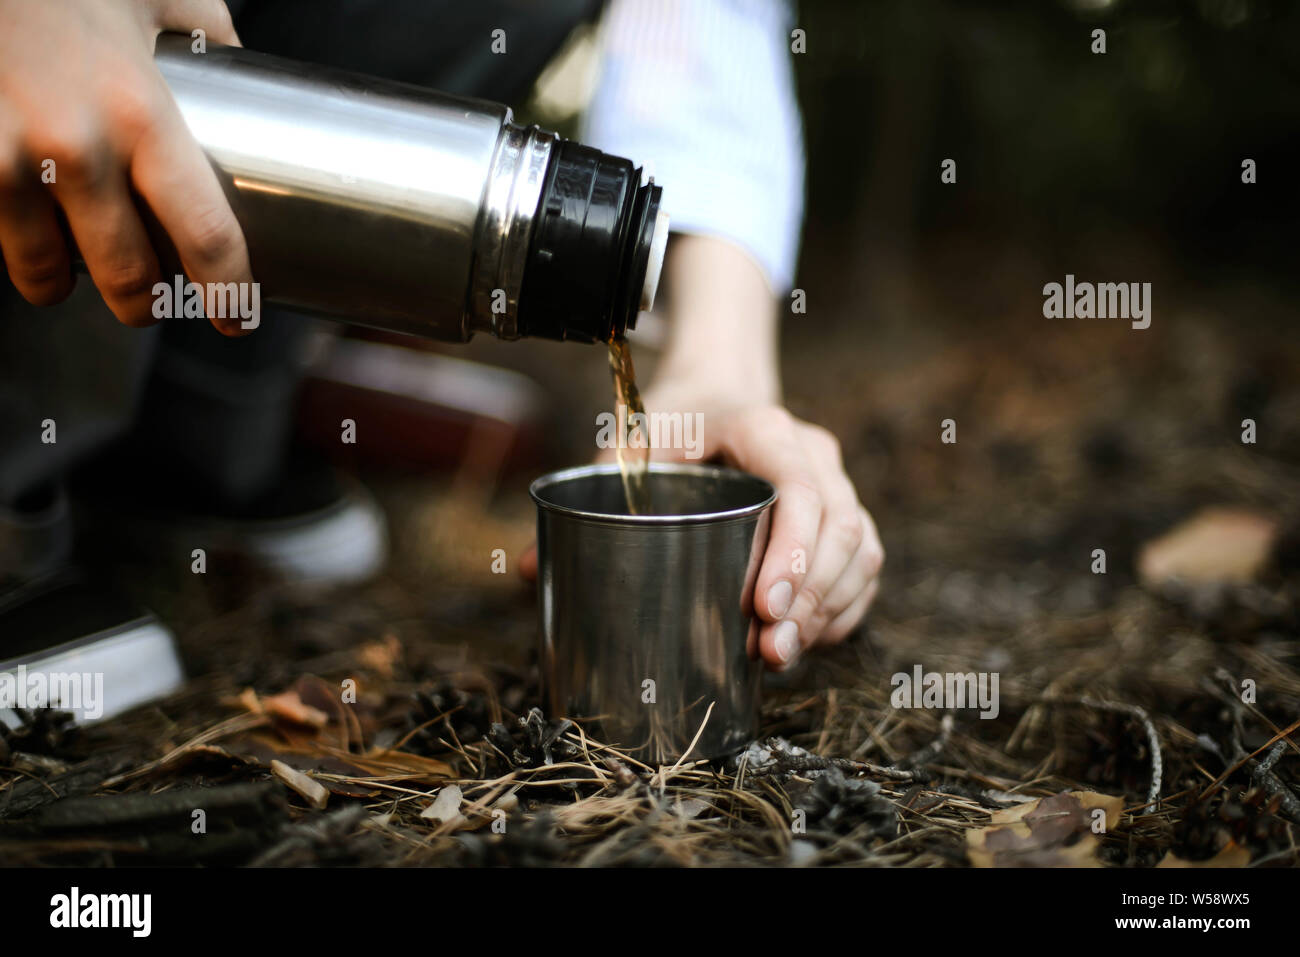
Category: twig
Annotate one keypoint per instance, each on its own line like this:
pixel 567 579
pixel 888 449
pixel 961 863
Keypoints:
pixel 783 762
pixel 1153 738
pixel 934 749
pixel 1263 775
pixel 1218 782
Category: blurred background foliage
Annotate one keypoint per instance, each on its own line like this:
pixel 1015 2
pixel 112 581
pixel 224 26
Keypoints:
pixel 1056 147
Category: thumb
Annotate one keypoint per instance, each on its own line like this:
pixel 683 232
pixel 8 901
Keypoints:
pixel 210 16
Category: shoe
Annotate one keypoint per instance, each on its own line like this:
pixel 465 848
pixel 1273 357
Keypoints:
pixel 69 644
pixel 316 526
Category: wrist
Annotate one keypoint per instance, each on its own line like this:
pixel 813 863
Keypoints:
pixel 722 321
pixel 705 374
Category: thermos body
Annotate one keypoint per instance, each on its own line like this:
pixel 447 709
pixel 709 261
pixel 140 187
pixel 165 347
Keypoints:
pixel 391 205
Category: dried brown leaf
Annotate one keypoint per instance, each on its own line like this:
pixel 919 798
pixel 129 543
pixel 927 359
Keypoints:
pixel 1054 831
pixel 1216 545
pixel 290 706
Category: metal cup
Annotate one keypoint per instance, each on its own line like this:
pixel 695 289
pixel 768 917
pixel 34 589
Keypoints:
pixel 647 621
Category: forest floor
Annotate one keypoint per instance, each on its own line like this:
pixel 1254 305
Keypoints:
pixel 1169 704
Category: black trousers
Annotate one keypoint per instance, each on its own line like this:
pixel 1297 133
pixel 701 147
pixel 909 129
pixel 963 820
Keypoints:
pixel 189 404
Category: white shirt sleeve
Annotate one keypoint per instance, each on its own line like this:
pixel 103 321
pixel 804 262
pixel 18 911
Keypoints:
pixel 701 93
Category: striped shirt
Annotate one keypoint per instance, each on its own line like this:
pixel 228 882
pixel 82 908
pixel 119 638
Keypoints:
pixel 701 93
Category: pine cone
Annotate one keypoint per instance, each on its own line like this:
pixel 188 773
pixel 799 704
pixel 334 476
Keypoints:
pixel 841 804
pixel 43 731
pixel 468 712
pixel 1247 818
pixel 535 742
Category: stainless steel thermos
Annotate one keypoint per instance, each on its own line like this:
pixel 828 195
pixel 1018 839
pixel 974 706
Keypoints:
pixel 391 205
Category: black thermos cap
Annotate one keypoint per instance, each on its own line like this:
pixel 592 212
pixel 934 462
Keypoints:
pixel 590 247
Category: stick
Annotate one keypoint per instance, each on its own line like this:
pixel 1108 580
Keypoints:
pixel 1272 784
pixel 1217 782
pixel 311 791
pixel 1153 738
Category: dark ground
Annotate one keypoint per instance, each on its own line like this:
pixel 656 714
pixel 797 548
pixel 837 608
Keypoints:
pixel 1072 435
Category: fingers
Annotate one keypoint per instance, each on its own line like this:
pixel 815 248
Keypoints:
pixel 210 16
pixel 770 447
pixel 843 623
pixel 838 540
pixel 91 187
pixel 31 242
pixel 859 577
pixel 175 178
pixel 83 98
pixel 819 572
pixel 812 576
pixel 838 536
pixel 33 247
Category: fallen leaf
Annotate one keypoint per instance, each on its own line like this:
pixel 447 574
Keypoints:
pixel 319 695
pixel 1217 545
pixel 289 706
pixel 381 656
pixel 1054 831
pixel 446 808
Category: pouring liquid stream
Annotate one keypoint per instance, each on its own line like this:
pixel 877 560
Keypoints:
pixel 633 448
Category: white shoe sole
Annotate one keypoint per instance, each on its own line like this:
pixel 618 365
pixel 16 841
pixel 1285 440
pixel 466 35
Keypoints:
pixel 95 677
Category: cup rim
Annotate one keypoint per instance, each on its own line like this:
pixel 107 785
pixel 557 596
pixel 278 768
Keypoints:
pixel 539 485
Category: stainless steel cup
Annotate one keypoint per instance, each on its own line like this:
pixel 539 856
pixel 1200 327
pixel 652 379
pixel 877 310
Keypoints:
pixel 647 621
